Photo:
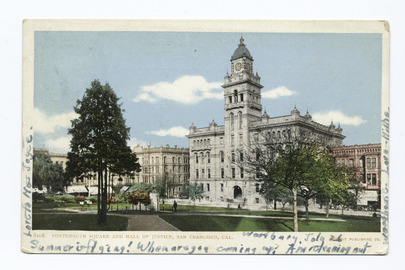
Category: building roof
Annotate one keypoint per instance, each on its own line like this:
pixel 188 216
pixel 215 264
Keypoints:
pixel 241 51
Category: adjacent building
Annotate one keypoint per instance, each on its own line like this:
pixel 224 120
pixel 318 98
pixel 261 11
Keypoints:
pixel 366 159
pixel 169 165
pixel 215 150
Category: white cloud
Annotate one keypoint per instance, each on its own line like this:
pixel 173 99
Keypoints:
pixel 48 124
pixel 174 131
pixel 134 142
pixel 280 91
pixel 186 90
pixel 59 145
pixel 337 117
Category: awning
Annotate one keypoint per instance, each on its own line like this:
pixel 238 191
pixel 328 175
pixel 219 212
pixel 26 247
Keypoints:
pixel 76 189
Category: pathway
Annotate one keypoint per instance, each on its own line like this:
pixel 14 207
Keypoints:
pixel 148 223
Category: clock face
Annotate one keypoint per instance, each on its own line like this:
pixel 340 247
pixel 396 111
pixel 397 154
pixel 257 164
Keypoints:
pixel 238 66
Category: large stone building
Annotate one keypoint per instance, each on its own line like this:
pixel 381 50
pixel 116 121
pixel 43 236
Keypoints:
pixel 167 164
pixel 215 150
pixel 366 159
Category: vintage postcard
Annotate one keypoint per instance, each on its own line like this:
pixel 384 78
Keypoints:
pixel 205 137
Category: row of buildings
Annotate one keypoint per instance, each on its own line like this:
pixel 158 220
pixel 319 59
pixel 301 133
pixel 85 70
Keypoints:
pixel 210 160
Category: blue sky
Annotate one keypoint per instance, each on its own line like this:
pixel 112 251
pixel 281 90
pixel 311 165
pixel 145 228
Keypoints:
pixel 168 80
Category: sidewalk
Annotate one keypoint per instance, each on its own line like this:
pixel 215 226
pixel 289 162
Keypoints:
pixel 148 223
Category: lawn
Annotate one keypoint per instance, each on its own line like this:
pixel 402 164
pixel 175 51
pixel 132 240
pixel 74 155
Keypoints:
pixel 224 223
pixel 81 222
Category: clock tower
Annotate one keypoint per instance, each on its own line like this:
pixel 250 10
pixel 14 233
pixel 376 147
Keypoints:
pixel 242 91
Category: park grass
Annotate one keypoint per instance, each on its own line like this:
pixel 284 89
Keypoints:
pixel 194 208
pixel 232 223
pixel 234 211
pixel 77 222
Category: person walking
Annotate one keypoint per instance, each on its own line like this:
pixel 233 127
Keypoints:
pixel 175 206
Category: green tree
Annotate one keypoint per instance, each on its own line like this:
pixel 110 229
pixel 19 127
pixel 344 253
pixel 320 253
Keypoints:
pixel 272 192
pixel 194 192
pixel 297 164
pixel 99 141
pixel 47 174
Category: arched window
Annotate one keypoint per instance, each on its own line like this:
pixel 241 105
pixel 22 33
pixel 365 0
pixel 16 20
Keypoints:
pixel 208 157
pixel 240 119
pixel 196 158
pixel 173 160
pixel 202 157
pixel 232 119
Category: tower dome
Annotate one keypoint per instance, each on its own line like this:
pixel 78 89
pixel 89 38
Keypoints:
pixel 241 51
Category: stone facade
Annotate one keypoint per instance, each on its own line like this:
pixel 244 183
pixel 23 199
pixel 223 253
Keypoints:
pixel 164 162
pixel 215 150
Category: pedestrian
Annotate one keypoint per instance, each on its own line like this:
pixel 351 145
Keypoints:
pixel 175 206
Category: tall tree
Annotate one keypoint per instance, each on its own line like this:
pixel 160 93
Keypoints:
pixel 99 141
pixel 47 174
pixel 296 163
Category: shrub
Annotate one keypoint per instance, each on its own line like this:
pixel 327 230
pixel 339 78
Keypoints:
pixel 67 198
pixel 111 199
pixel 79 198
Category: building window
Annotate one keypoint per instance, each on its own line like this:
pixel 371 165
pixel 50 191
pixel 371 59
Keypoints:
pixel 351 163
pixel 361 162
pixel 374 179
pixel 241 97
pixel 257 154
pixel 208 187
pixel 164 160
pixel 232 140
pixel 202 157
pixel 240 139
pixel 257 172
pixel 232 119
pixel 209 173
pixel 230 99
pixel 373 162
pixel 222 187
pixel 221 156
pixel 257 200
pixel 368 179
pixel 235 93
pixel 196 158
pixel 202 187
pixel 241 156
pixel 368 164
pixel 257 187
pixel 241 172
pixel 240 119
pixel 208 157
pixel 343 162
pixel 233 156
pixel 233 172
pixel 222 173
pixel 338 162
pixel 202 173
pixel 196 174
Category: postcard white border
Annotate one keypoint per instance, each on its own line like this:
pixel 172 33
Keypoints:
pixel 218 242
